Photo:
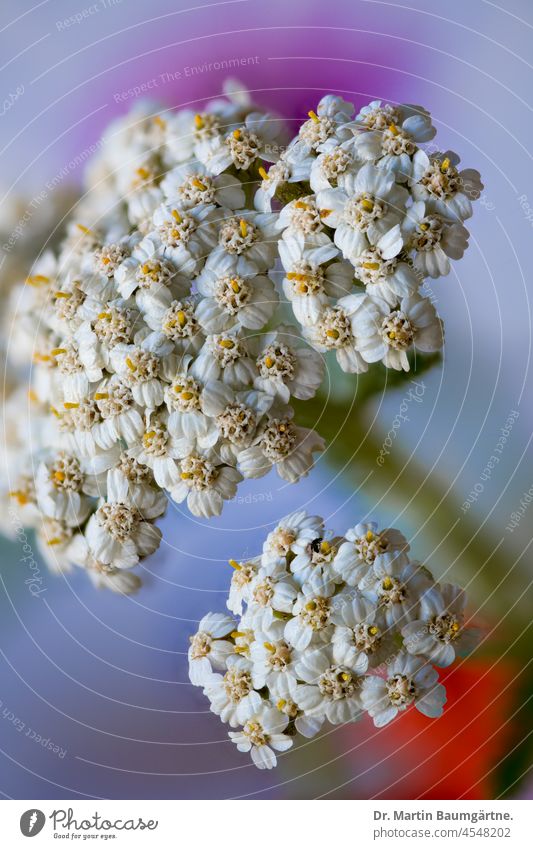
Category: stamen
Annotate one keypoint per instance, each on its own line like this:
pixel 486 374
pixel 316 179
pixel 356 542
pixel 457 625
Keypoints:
pixel 100 396
pixel 445 164
pixel 37 279
pixel 57 351
pixel 262 173
pixel 131 365
pixel 176 216
pixel 70 405
pixel 236 134
pixel 314 117
pixel 198 184
pixel 62 295
pixel 234 564
pixel 243 227
pixel 21 497
pixel 198 122
pixel 227 343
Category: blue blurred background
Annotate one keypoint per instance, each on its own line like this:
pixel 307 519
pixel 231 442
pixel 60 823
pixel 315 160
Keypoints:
pixel 104 678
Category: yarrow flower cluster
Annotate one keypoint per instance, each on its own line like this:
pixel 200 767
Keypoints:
pixel 326 628
pixel 160 365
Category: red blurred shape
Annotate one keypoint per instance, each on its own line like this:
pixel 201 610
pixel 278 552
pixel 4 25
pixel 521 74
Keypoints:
pixel 447 758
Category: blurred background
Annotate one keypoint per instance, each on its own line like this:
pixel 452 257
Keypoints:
pixel 104 678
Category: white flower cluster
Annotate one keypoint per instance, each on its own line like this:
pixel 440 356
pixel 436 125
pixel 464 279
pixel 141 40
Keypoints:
pixel 332 627
pixel 159 367
pixel 369 205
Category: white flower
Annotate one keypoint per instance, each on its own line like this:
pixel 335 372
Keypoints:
pixel 120 416
pixel 287 538
pixel 409 681
pixel 241 583
pixel 189 185
pixel 159 449
pixel 446 190
pixel 311 614
pixel 183 396
pixel 282 444
pixel 146 271
pixel 175 319
pixel 336 330
pixel 231 300
pixel 383 270
pixel 63 489
pixel 330 689
pixel 225 357
pixel 185 236
pixel 73 377
pixel 232 695
pixel 314 556
pixel 332 164
pixel 439 632
pixel 270 595
pixel 358 640
pixel 204 484
pixel 331 113
pixel 311 279
pixel 249 239
pixel 121 532
pixel 396 588
pixel 387 331
pixel 286 367
pixel 209 649
pixel 398 130
pixel 103 576
pixel 365 546
pixel 262 736
pixel 368 204
pixel 257 139
pixel 55 539
pixel 282 172
pixel 284 692
pixel 435 239
pixel 234 417
pixel 142 367
pixel 273 663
